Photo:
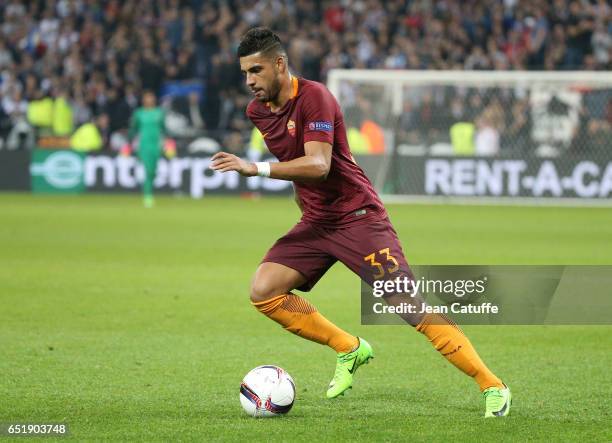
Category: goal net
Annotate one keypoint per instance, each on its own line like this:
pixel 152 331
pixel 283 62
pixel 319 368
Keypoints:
pixel 538 136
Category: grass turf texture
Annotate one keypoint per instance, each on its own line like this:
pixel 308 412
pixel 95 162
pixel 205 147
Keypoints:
pixel 130 324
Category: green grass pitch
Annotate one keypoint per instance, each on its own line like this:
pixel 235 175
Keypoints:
pixel 134 324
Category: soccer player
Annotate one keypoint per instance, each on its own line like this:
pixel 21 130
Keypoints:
pixel 148 123
pixel 342 219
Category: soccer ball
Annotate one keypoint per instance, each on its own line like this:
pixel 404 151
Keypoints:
pixel 267 391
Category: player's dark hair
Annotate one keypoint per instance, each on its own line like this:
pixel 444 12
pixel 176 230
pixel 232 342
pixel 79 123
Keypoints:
pixel 262 40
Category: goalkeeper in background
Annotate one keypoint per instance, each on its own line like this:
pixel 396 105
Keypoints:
pixel 148 124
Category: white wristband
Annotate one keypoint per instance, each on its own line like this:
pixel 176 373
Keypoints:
pixel 263 169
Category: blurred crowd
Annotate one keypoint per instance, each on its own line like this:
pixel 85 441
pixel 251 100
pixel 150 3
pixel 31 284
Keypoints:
pixel 93 58
pixel 486 120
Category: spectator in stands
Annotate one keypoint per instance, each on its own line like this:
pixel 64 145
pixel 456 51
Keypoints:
pixel 90 135
pixel 15 107
pixel 487 135
pixel 234 142
pixel 580 26
pixel 602 45
pixel 516 136
pixel 477 60
pixel 555 54
pixel 186 116
pixel 596 114
pixel 537 33
pixel 6 57
pixel 118 110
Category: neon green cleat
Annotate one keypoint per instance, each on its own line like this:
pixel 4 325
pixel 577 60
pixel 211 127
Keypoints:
pixel 497 401
pixel 346 366
pixel 148 201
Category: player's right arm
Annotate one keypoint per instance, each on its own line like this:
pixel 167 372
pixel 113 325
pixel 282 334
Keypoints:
pixel 133 130
pixel 127 148
pixel 311 167
pixel 318 111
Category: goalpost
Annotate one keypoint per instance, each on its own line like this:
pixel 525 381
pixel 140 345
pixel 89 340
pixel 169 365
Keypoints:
pixel 481 136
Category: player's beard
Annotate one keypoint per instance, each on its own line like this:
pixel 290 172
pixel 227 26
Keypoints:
pixel 273 90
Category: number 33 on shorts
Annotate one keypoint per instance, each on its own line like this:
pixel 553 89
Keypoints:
pixel 391 263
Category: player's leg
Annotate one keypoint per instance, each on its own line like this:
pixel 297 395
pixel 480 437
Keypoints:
pixel 298 260
pixel 291 263
pixel 450 341
pixel 148 157
pixel 273 279
pixel 377 246
pixel 271 295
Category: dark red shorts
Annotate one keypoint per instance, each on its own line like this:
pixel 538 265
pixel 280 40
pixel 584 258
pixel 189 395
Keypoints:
pixel 370 248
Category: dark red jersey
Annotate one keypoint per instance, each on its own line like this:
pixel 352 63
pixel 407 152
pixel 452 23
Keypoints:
pixel 313 114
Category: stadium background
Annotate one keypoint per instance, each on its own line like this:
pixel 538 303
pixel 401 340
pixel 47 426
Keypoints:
pixel 73 73
pixel 133 324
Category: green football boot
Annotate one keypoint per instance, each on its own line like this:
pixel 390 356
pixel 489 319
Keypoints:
pixel 148 201
pixel 346 366
pixel 497 401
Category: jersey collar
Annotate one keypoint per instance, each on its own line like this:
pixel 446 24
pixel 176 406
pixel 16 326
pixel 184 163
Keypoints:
pixel 294 87
pixel 294 92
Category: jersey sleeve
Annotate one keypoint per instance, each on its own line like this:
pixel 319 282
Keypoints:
pixel 250 110
pixel 318 113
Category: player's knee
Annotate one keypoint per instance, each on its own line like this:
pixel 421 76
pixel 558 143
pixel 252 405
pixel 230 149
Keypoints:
pixel 261 290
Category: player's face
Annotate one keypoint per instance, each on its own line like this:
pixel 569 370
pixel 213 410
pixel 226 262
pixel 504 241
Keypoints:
pixel 148 100
pixel 263 75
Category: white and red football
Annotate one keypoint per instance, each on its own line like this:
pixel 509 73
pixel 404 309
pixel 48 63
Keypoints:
pixel 267 391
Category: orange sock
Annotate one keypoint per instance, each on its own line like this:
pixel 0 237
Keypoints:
pixel 297 315
pixel 454 346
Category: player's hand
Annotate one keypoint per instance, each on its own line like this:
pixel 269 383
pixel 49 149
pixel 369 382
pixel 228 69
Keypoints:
pixel 224 162
pixel 170 148
pixel 126 150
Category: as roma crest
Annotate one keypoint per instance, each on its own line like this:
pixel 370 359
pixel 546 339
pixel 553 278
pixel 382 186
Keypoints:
pixel 291 128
